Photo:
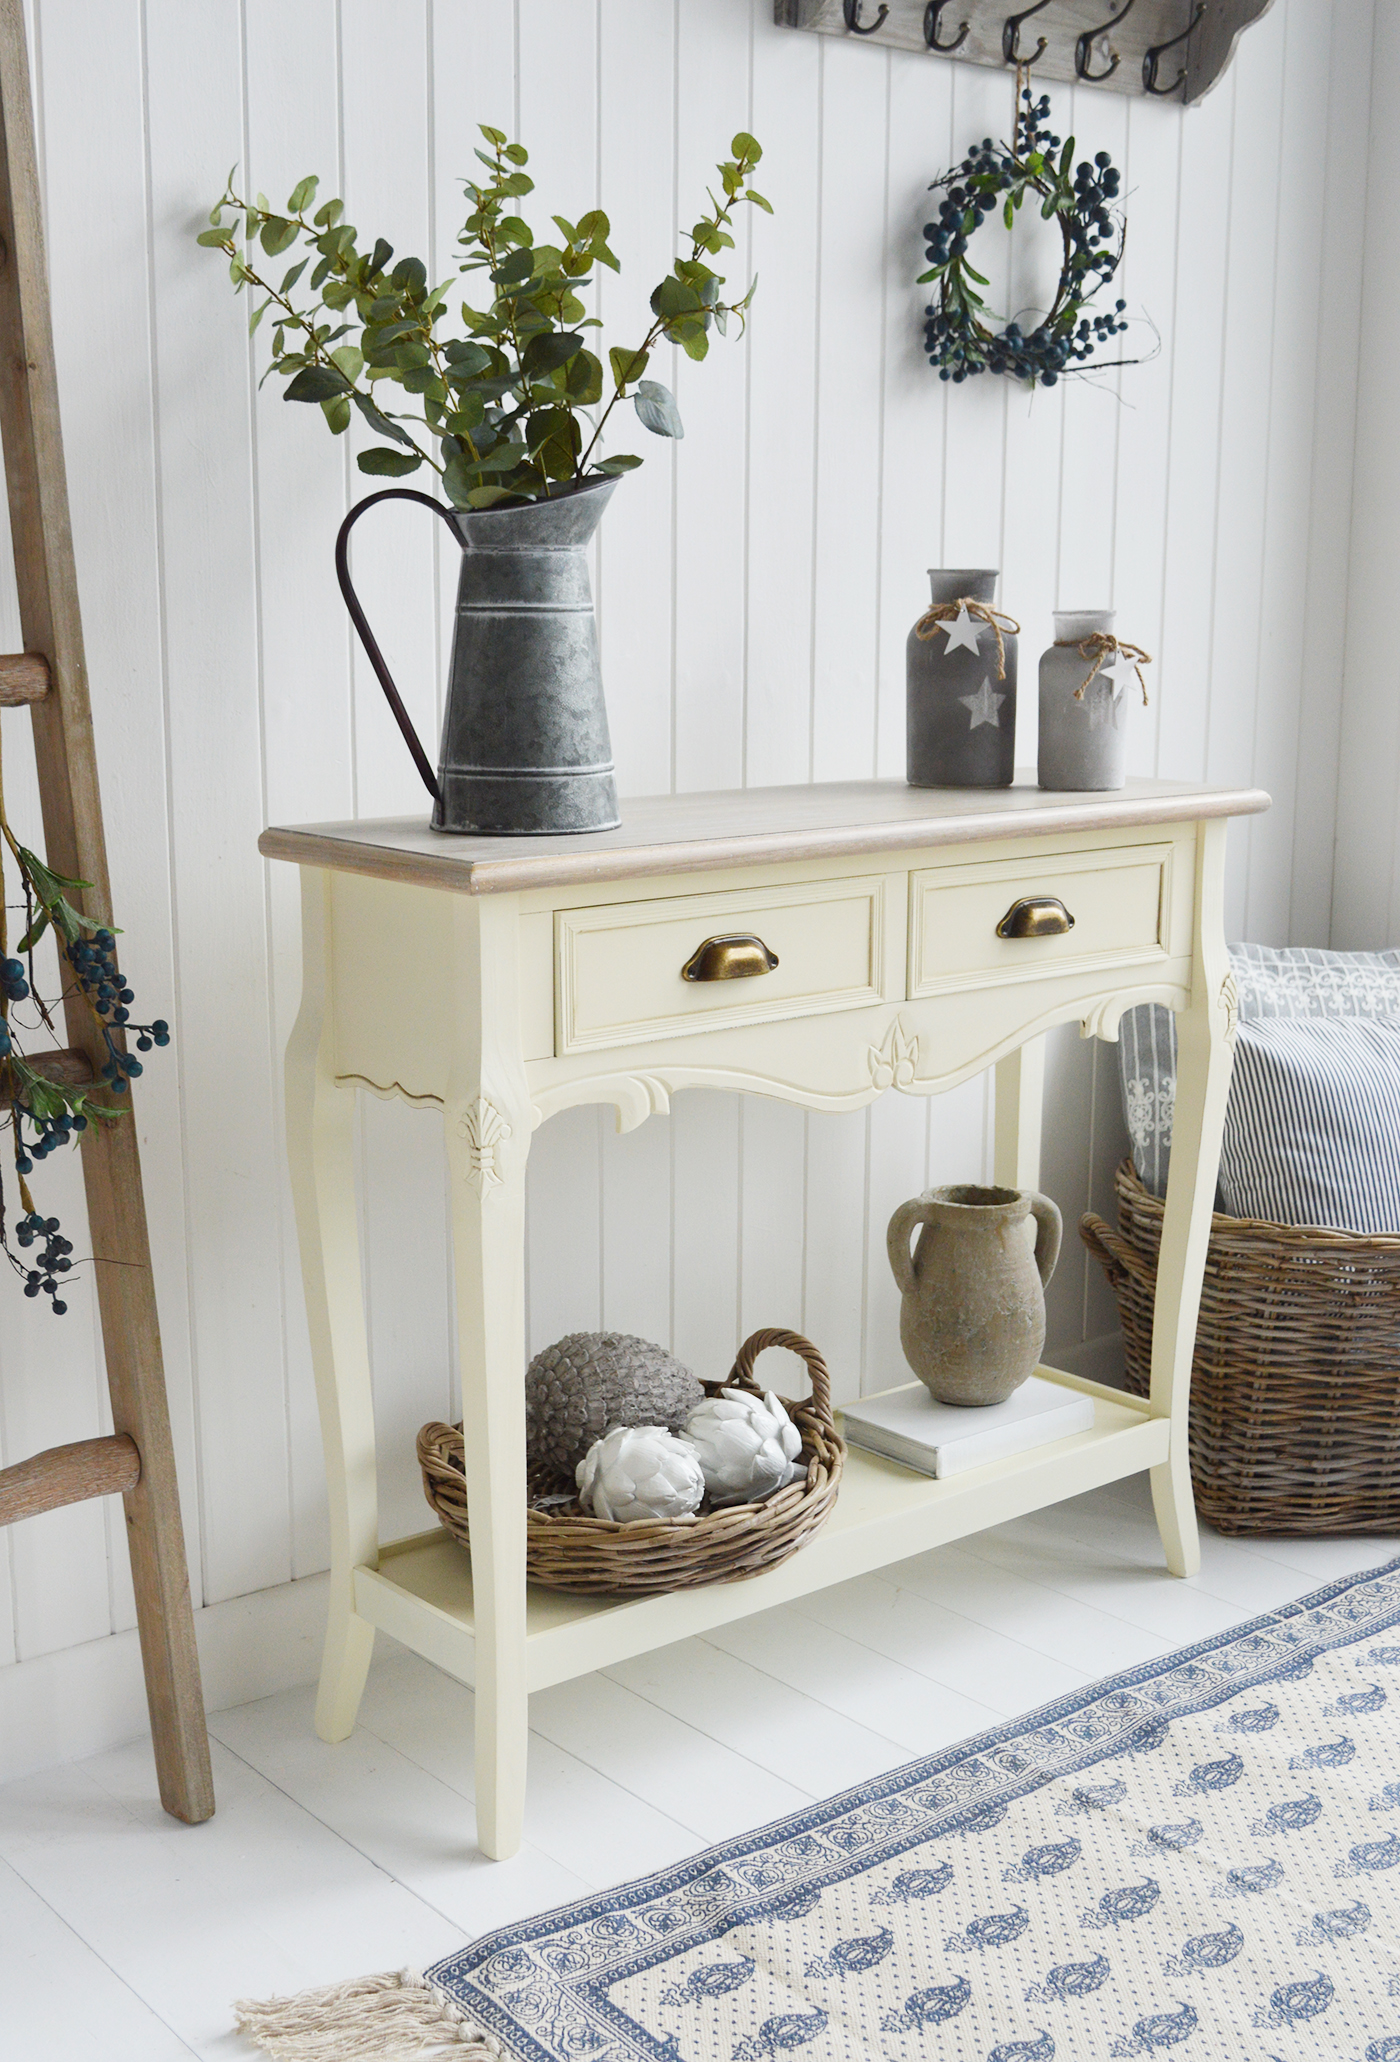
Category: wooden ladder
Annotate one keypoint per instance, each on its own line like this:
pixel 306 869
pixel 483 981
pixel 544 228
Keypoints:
pixel 138 1459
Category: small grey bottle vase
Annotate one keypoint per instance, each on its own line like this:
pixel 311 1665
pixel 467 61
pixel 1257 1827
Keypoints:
pixel 961 716
pixel 525 746
pixel 972 1321
pixel 1083 744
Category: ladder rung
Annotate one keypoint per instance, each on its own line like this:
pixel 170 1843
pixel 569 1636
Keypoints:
pixel 68 1066
pixel 69 1475
pixel 24 677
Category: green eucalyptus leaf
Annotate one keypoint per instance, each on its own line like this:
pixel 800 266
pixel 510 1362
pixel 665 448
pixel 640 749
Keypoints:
pixel 215 239
pixel 303 193
pixel 328 214
pixel 516 269
pixel 497 136
pixel 746 146
pixel 584 381
pixel 627 366
pixel 465 360
pixel 348 360
pixel 547 349
pixel 656 406
pixel 423 379
pixel 337 414
pixel 316 383
pixel 674 297
pixel 379 422
pixel 620 462
pixel 410 276
pixel 277 234
pixel 486 497
pixel 380 459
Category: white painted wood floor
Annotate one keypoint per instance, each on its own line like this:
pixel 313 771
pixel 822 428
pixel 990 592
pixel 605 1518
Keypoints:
pixel 125 1935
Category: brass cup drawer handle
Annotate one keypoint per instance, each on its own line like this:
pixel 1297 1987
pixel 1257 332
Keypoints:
pixel 1036 916
pixel 737 956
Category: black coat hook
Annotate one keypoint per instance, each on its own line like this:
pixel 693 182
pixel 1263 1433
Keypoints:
pixel 1153 58
pixel 1084 47
pixel 931 16
pixel 853 21
pixel 1011 36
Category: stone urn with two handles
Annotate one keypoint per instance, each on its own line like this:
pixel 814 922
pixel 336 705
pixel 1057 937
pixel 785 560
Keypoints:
pixel 972 1323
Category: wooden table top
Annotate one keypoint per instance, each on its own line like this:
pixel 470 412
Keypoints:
pixel 676 834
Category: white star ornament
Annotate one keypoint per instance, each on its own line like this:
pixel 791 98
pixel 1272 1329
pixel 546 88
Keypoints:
pixel 984 705
pixel 962 630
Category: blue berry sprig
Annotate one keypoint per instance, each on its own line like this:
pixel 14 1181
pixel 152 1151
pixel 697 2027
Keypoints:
pixel 43 1114
pixel 958 333
pixel 95 965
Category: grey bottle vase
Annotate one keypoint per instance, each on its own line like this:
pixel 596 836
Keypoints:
pixel 525 747
pixel 1083 744
pixel 972 1320
pixel 961 717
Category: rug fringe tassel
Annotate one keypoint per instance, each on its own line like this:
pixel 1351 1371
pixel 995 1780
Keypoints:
pixel 370 2019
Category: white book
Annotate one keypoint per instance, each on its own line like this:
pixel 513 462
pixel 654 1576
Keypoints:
pixel 941 1439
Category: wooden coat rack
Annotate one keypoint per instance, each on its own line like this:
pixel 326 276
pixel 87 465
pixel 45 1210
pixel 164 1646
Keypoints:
pixel 1170 49
pixel 50 676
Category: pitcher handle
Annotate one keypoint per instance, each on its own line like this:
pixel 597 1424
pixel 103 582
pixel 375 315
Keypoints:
pixel 1049 1226
pixel 897 1241
pixel 367 639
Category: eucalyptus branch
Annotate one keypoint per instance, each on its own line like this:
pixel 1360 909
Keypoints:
pixel 502 402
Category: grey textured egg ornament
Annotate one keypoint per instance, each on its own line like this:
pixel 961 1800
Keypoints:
pixel 584 1384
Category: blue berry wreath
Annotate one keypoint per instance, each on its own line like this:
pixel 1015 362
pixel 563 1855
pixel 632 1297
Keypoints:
pixel 992 177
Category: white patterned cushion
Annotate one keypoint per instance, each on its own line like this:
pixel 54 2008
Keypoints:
pixel 1305 981
pixel 1312 1127
pixel 1273 981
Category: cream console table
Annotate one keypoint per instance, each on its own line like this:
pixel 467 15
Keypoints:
pixel 916 937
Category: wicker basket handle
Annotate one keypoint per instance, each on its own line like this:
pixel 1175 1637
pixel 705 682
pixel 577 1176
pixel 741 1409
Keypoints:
pixel 1115 1252
pixel 759 1342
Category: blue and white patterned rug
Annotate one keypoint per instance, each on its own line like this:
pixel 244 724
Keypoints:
pixel 1199 1856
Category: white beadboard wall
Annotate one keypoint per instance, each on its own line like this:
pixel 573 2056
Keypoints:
pixel 755 585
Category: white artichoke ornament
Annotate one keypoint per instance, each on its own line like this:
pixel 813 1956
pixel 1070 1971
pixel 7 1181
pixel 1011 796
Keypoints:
pixel 640 1471
pixel 748 1445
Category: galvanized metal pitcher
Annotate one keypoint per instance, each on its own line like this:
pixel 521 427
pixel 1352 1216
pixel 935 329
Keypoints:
pixel 525 746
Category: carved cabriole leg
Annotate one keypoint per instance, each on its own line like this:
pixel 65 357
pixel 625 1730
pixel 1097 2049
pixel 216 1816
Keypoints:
pixel 1205 1037
pixel 1020 1089
pixel 488 1118
pixel 320 1150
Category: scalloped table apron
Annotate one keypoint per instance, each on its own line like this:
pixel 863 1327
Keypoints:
pixel 894 939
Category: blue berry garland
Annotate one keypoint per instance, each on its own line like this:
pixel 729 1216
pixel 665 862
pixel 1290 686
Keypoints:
pixel 41 1114
pixel 996 177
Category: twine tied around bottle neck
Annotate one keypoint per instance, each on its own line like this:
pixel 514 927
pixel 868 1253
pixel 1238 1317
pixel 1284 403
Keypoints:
pixel 944 612
pixel 1097 647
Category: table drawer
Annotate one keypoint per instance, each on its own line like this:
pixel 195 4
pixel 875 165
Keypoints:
pixel 618 977
pixel 1116 907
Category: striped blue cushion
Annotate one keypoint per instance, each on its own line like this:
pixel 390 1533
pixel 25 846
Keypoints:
pixel 1312 1128
pixel 1271 981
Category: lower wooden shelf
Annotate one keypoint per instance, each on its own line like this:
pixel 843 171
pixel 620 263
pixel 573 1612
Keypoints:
pixel 421 1592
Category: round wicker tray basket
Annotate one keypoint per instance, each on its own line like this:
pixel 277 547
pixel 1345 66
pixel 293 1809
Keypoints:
pixel 1295 1383
pixel 567 1549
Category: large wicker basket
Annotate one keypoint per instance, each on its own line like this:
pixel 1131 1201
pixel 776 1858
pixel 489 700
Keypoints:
pixel 1295 1385
pixel 567 1549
